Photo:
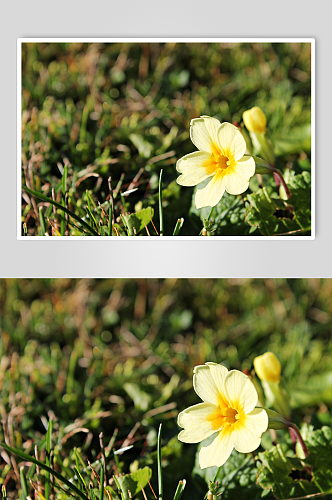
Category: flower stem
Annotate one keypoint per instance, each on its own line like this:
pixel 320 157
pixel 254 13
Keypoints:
pixel 297 433
pixel 211 213
pixel 279 176
pixel 216 476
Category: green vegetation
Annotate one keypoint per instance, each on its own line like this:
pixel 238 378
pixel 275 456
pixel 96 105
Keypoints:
pixel 101 120
pixel 88 367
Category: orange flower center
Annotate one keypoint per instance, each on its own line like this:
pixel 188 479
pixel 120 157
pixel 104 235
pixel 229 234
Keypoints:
pixel 224 416
pixel 217 163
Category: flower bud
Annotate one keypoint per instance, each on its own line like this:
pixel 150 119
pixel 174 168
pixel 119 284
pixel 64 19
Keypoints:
pixel 268 367
pixel 255 120
pixel 268 370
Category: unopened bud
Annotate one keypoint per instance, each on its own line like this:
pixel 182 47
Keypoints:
pixel 268 367
pixel 255 120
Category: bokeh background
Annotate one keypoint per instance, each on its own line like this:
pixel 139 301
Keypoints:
pixel 123 110
pixel 112 355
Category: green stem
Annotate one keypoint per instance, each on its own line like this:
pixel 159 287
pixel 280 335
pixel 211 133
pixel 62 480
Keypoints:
pixel 300 439
pixel 216 476
pixel 180 489
pixel 161 215
pixel 178 226
pixel 211 213
pixel 160 477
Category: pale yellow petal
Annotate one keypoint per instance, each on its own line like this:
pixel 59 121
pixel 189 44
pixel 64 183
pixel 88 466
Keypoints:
pixel 195 422
pixel 247 433
pixel 217 453
pixel 192 168
pixel 231 141
pixel 219 373
pixel 245 167
pixel 234 183
pixel 204 384
pixel 257 421
pixel 211 193
pixel 204 133
pixel 240 391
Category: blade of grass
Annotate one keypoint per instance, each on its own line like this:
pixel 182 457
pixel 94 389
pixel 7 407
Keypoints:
pixel 160 477
pixel 42 221
pixel 110 221
pixel 48 458
pixel 24 483
pixel 4 492
pixel 119 487
pixel 80 478
pixel 117 462
pixel 63 187
pixel 54 473
pixel 101 495
pixel 178 226
pixel 57 205
pixel 161 215
pixel 180 489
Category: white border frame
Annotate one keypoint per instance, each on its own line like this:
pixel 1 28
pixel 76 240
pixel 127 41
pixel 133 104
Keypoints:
pixel 20 41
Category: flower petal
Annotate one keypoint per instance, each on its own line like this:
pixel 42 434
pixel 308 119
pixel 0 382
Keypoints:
pixel 204 133
pixel 219 373
pixel 257 421
pixel 245 167
pixel 192 168
pixel 218 451
pixel 234 183
pixel 240 391
pixel 231 141
pixel 246 435
pixel 204 384
pixel 195 422
pixel 211 193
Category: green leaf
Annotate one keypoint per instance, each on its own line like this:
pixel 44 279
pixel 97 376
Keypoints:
pixel 136 221
pixel 287 478
pixel 297 139
pixel 133 482
pixel 275 473
pixel 144 147
pixel 319 445
pixel 274 216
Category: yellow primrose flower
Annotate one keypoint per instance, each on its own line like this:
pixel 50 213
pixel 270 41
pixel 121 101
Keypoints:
pixel 268 367
pixel 220 156
pixel 255 120
pixel 228 409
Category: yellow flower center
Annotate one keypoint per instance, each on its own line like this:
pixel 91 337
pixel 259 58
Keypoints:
pixel 223 416
pixel 218 163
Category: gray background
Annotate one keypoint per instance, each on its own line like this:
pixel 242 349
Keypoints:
pixel 172 18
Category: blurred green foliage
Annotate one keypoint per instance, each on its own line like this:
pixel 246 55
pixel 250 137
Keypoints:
pixel 106 355
pixel 123 110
